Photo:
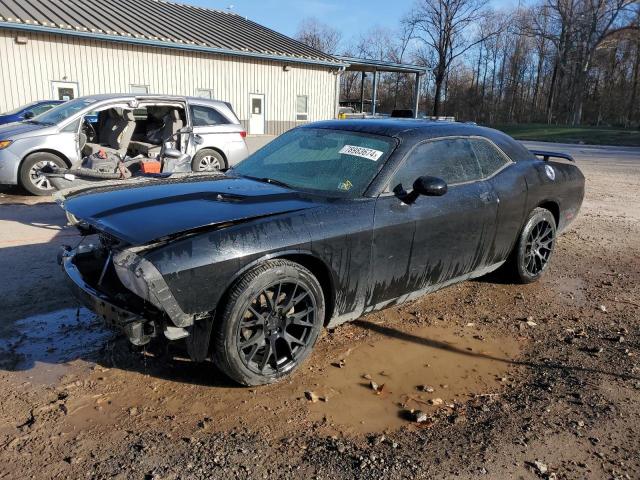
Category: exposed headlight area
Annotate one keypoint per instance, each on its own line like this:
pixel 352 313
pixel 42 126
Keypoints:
pixel 141 277
pixel 5 143
pixel 130 272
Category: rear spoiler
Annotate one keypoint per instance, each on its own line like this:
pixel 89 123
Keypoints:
pixel 547 155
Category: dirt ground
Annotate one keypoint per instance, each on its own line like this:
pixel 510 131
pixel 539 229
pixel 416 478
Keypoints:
pixel 536 381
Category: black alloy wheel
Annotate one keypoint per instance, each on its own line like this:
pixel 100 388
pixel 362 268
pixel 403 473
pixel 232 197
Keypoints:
pixel 270 323
pixel 538 247
pixel 276 327
pixel 535 246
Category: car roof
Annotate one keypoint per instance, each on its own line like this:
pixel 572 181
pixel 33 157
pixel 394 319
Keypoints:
pixel 150 97
pixel 416 130
pixel 392 127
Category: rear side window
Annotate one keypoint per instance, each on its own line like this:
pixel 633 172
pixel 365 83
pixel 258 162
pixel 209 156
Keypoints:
pixel 489 157
pixel 452 159
pixel 204 116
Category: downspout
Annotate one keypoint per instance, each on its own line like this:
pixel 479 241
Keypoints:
pixel 374 96
pixel 416 96
pixel 338 75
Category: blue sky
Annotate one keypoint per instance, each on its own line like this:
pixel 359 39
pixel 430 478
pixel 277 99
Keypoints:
pixel 351 17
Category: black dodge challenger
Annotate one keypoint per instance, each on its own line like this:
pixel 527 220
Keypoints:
pixel 327 222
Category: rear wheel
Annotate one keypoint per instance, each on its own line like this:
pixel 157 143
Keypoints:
pixel 208 160
pixel 31 178
pixel 535 246
pixel 269 324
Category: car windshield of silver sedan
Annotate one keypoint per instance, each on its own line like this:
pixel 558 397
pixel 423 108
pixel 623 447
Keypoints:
pixel 62 112
pixel 333 162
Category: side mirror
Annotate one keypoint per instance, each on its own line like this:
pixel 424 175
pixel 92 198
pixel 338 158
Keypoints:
pixel 430 186
pixel 198 140
pixel 28 115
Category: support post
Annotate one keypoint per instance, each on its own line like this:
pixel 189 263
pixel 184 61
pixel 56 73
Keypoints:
pixel 364 75
pixel 374 96
pixel 416 96
pixel 337 96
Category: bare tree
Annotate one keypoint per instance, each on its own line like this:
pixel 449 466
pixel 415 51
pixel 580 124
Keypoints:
pixel 319 36
pixel 446 27
pixel 576 28
pixel 554 61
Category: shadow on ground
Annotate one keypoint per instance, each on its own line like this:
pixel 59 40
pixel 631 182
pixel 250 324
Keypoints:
pixel 427 342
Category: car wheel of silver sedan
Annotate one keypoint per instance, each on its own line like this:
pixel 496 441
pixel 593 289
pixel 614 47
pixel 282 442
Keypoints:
pixel 31 178
pixel 207 160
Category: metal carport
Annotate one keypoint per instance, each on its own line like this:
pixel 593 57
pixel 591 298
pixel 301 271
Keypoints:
pixel 375 66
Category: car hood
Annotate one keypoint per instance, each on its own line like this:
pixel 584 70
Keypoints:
pixel 15 130
pixel 160 209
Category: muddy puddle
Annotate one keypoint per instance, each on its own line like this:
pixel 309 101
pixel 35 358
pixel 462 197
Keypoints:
pixel 365 387
pixel 374 386
pixel 41 345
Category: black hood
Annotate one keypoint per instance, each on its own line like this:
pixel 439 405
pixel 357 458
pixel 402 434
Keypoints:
pixel 143 213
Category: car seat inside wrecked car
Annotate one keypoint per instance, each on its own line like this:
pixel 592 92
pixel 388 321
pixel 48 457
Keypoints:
pixel 161 124
pixel 115 129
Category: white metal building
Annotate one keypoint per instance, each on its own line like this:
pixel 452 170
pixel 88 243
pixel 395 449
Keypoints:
pixel 68 48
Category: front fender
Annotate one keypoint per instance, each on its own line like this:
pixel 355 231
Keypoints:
pixel 198 269
pixel 62 144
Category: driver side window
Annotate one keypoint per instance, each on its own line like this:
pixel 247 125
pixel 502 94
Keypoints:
pixel 451 159
pixel 73 127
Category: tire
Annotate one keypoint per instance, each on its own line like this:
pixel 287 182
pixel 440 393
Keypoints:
pixel 250 329
pixel 533 252
pixel 34 182
pixel 208 160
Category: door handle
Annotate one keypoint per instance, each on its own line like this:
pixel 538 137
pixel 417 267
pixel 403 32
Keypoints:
pixel 489 197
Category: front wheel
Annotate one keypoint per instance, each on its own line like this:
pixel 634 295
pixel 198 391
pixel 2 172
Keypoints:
pixel 535 246
pixel 31 177
pixel 269 324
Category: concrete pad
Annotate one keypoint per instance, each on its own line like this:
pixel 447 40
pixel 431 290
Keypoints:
pixel 256 142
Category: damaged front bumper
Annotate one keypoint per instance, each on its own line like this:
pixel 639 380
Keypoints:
pixel 90 282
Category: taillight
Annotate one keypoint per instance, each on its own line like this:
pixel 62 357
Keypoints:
pixel 243 134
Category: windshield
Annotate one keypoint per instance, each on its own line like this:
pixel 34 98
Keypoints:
pixel 329 161
pixel 19 109
pixel 63 111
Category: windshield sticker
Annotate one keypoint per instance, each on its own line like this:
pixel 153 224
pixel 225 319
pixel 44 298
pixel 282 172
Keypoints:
pixel 368 153
pixel 345 186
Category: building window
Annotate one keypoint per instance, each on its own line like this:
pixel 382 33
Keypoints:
pixel 204 93
pixel 139 89
pixel 302 108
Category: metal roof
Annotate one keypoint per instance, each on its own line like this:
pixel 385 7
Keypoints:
pixel 368 65
pixel 159 23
